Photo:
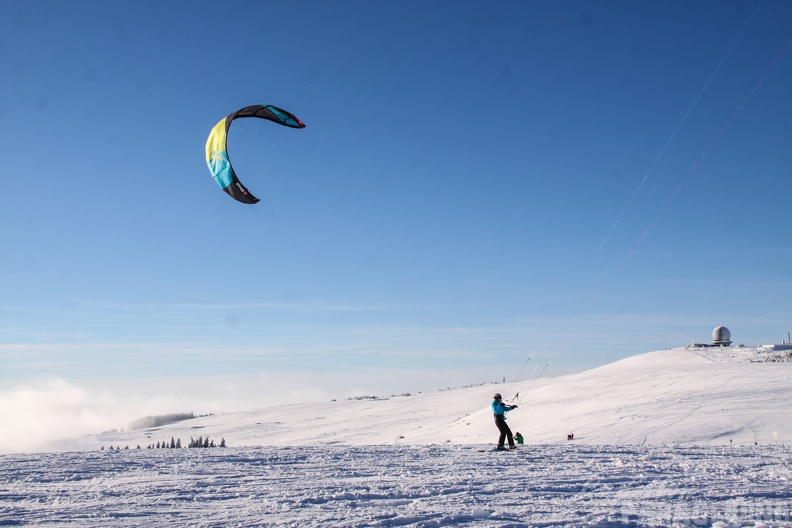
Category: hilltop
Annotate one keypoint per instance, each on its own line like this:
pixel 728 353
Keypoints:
pixel 683 395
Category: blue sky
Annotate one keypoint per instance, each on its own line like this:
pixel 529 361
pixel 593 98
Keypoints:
pixel 478 182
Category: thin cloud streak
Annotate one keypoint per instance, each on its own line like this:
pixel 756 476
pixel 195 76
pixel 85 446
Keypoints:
pixel 313 306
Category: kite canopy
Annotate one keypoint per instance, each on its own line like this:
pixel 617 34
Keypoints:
pixel 217 150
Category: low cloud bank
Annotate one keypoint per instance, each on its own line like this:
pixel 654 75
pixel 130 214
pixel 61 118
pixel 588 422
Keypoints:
pixel 35 413
pixel 39 415
pixel 43 414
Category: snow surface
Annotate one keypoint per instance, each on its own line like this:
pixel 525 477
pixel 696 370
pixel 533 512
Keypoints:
pixel 680 437
pixel 421 486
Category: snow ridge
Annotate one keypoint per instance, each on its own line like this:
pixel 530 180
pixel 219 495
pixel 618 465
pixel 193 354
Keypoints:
pixel 702 396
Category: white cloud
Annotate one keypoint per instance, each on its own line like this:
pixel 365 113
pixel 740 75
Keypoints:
pixel 37 414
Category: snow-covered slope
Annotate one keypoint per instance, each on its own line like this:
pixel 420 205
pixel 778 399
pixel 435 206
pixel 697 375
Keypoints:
pixel 703 396
pixel 723 397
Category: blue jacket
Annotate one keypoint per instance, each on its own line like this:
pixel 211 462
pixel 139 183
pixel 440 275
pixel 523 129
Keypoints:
pixel 500 408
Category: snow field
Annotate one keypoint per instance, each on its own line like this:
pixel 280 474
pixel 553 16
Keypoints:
pixel 666 439
pixel 388 486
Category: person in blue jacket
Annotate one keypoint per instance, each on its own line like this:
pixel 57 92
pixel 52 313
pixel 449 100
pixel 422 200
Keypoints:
pixel 499 409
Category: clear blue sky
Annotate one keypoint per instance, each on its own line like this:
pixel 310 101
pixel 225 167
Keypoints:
pixel 478 182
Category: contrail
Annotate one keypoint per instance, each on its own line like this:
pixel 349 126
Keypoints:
pixel 679 126
pixel 717 138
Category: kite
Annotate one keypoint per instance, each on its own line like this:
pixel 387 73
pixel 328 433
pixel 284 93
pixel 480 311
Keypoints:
pixel 217 150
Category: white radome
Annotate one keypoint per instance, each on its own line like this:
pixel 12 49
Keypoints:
pixel 721 336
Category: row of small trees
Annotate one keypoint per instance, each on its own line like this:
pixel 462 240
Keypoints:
pixel 204 442
pixel 176 443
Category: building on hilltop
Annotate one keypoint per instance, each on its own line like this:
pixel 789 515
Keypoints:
pixel 721 337
pixel 786 344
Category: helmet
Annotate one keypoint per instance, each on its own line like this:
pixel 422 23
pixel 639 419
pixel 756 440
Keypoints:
pixel 497 396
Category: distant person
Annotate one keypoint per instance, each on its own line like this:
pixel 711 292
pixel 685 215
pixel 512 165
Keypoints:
pixel 571 436
pixel 519 438
pixel 499 409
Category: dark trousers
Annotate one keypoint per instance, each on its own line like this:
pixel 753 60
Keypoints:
pixel 505 432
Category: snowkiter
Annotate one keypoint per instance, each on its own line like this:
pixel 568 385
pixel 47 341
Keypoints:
pixel 499 409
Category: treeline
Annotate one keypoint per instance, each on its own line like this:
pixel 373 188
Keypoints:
pixel 148 422
pixel 176 443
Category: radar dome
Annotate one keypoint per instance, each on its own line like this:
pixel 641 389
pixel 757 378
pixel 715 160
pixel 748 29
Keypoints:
pixel 721 336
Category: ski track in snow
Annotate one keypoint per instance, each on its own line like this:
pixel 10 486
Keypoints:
pixel 571 485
